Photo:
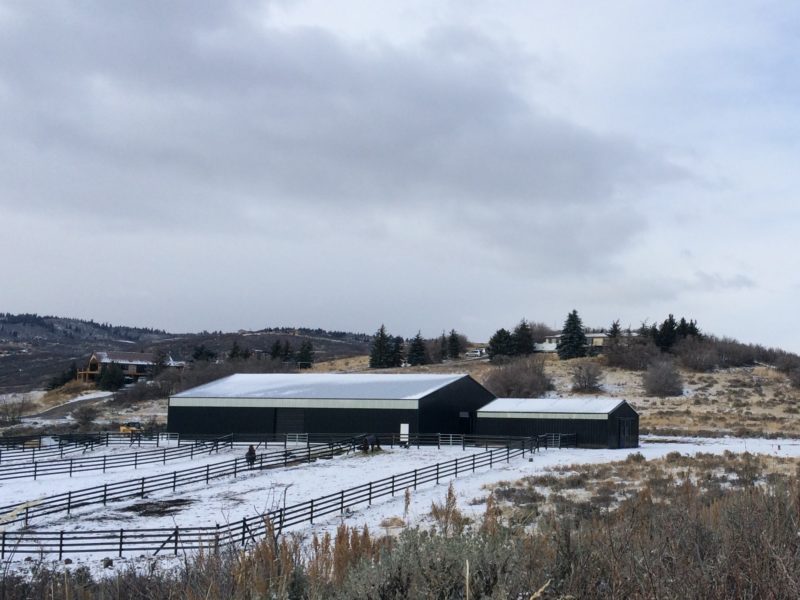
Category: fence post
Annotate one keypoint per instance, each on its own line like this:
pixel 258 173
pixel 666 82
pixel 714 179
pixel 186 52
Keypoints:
pixel 176 541
pixel 392 485
pixel 3 548
pixel 235 465
pixel 35 468
pixel 312 511
pixel 26 515
pixel 142 487
pixel 341 501
pixel 508 454
pixel 104 463
pixel 69 501
pixel 105 493
pixel 437 473
pixel 438 442
pixel 70 467
pixel 191 451
pixel 415 479
pixel 60 544
pixel 473 463
pixel 175 480
pixel 135 460
pixel 491 458
pixel 464 443
pixel 120 542
pixel 165 456
pixel 369 495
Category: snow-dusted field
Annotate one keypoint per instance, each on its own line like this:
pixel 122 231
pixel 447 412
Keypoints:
pixel 228 500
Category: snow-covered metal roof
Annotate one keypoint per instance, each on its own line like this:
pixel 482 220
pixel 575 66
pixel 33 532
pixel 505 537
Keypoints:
pixel 323 386
pixel 597 405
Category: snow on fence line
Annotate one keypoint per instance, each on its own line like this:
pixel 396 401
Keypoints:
pixel 72 466
pixel 25 511
pixel 250 529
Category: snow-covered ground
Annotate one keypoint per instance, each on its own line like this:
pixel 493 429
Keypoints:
pixel 254 492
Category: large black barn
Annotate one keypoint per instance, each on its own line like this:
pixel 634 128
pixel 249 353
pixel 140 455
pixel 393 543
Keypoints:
pixel 596 422
pixel 329 403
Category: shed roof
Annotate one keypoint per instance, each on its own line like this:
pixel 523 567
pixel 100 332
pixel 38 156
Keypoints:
pixel 128 358
pixel 596 405
pixel 323 386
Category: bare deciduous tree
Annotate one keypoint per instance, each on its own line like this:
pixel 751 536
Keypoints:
pixel 521 378
pixel 662 379
pixel 586 376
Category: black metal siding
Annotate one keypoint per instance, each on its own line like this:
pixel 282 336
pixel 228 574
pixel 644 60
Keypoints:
pixel 182 419
pixel 440 411
pixel 589 432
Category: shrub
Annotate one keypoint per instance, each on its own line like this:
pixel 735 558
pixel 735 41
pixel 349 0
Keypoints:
pixel 586 377
pixel 662 379
pixel 85 415
pixel 633 353
pixel 521 378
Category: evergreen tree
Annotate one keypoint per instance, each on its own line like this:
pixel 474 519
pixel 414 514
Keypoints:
pixel 667 334
pixel 443 348
pixel 305 356
pixel 572 343
pixel 287 354
pixel 615 331
pixel 682 330
pixel 522 339
pixel 397 354
pixel 454 344
pixel 111 377
pixel 276 350
pixel 418 351
pixel 380 352
pixel 235 351
pixel 201 352
pixel 501 344
pixel 160 362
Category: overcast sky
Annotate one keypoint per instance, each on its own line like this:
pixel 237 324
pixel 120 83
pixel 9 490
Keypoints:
pixel 428 165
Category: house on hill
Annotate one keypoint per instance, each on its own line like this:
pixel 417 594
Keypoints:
pixel 135 365
pixel 329 403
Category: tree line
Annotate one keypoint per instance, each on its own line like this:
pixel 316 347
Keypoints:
pixel 388 351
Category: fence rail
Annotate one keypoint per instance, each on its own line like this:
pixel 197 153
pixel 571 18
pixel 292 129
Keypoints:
pixel 177 539
pixel 73 466
pixel 103 494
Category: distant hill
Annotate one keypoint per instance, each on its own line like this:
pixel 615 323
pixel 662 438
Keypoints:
pixel 35 348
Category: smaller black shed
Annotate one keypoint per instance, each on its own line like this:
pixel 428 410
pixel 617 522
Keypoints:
pixel 598 421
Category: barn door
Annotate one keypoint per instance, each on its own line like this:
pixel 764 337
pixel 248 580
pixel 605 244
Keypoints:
pixel 403 432
pixel 625 426
pixel 290 420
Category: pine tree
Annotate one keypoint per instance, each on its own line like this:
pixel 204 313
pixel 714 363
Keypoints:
pixel 522 339
pixel 443 348
pixel 287 354
pixel 111 377
pixel 615 331
pixel 572 343
pixel 501 344
pixel 235 351
pixel 305 356
pixel 418 351
pixel 202 353
pixel 667 334
pixel 397 354
pixel 454 345
pixel 381 348
pixel 275 350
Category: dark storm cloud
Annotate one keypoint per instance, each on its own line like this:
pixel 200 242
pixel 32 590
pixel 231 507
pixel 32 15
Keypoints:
pixel 201 115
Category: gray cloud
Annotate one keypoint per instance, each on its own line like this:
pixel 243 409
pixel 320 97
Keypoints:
pixel 199 112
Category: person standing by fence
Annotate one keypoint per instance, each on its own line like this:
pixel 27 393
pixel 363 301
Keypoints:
pixel 250 456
